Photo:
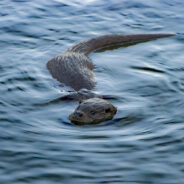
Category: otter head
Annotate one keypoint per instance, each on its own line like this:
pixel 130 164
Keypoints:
pixel 93 110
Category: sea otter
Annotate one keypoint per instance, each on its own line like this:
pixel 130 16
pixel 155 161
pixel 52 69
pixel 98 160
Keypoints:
pixel 75 69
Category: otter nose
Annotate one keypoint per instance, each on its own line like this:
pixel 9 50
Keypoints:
pixel 78 114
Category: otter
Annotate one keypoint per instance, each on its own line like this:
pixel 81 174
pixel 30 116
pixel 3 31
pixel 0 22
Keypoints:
pixel 75 69
pixel 93 110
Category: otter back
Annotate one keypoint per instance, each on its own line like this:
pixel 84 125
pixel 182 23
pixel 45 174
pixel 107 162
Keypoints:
pixel 74 68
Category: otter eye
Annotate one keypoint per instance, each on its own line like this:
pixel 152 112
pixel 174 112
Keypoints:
pixel 92 113
pixel 107 110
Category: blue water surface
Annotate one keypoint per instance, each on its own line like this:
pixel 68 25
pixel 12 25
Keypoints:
pixel 143 144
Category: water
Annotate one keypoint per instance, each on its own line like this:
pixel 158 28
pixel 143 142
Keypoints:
pixel 144 142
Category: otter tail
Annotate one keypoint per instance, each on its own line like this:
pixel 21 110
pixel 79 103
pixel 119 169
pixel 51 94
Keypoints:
pixel 108 40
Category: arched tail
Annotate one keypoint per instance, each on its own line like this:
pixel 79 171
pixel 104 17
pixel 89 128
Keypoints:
pixel 93 44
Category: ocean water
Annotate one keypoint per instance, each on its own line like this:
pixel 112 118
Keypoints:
pixel 143 144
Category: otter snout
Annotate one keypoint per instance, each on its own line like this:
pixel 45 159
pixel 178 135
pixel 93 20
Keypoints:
pixel 78 114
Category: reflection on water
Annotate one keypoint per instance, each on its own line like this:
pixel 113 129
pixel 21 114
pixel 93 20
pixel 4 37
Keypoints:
pixel 143 144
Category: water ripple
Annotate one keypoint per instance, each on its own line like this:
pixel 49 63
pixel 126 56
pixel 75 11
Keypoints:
pixel 142 144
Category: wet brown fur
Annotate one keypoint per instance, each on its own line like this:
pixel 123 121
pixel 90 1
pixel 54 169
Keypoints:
pixel 75 69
